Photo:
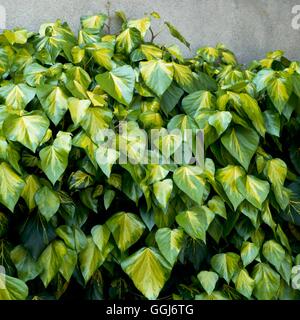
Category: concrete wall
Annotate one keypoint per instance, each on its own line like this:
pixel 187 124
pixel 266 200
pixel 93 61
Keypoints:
pixel 249 27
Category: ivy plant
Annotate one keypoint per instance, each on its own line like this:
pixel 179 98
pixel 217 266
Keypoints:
pixel 75 226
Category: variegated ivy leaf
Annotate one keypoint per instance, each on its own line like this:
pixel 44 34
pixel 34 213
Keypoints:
pixel 194 103
pixel 78 109
pixel 29 129
pixel 190 180
pixel 157 74
pixel 169 243
pixel 17 96
pixel 253 189
pixel 91 258
pixel 128 40
pixel 241 143
pixel 118 83
pixel 148 270
pixel 12 288
pixel 77 82
pixel 267 282
pixel 146 52
pixel 228 177
pixel 54 100
pixel 47 201
pixel 195 222
pixel 102 53
pixel 54 158
pixel 51 260
pixel 142 25
pixel 93 22
pixel 11 186
pixel 162 191
pixel 226 265
pixel 126 229
pixel 32 185
pixel 34 74
pixel 208 280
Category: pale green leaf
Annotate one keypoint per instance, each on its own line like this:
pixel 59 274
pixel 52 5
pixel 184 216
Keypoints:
pixel 157 74
pixel 54 158
pixel 148 270
pixel 208 280
pixel 126 229
pixel 47 201
pixel 169 243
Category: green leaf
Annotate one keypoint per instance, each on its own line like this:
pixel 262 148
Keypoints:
pixel 176 34
pixel 93 22
pixel 78 109
pixel 228 177
pixel 11 186
pixel 82 140
pixel 226 265
pixel 100 234
pixel 126 229
pixel 244 283
pixel 267 282
pixel 194 103
pixel 142 25
pixel 80 180
pixel 253 111
pixel 253 189
pixel 28 129
pixel 148 270
pixel 54 100
pixel 208 280
pixel 47 201
pixel 195 222
pixel 157 74
pixel 91 258
pixel 73 237
pixel 276 171
pixel 272 122
pixel 95 120
pixel 182 75
pixel 109 196
pixel 189 179
pixel 32 185
pixel 118 83
pixel 170 98
pixel 17 96
pixel 18 36
pixel 249 252
pixel 146 52
pixel 51 260
pixel 162 191
pixel 68 265
pixel 220 121
pixel 217 206
pixel 54 158
pixel 169 243
pixel 279 89
pixel 27 267
pixel 12 288
pixel 241 144
pixel 106 158
pixel 77 82
pixel 102 53
pixel 274 253
pixel 128 40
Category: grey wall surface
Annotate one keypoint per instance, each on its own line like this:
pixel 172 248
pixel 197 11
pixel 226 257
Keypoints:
pixel 249 28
